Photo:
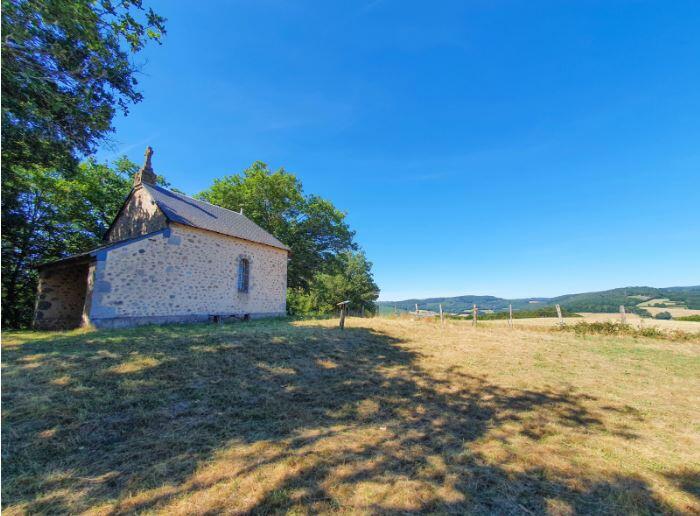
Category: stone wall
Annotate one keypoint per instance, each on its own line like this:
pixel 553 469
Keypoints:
pixel 61 297
pixel 139 217
pixel 185 273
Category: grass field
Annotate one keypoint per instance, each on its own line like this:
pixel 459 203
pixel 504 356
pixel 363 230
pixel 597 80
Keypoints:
pixel 631 319
pixel 675 308
pixel 391 415
pixel 675 312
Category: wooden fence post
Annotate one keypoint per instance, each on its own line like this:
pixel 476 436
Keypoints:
pixel 561 320
pixel 475 315
pixel 343 310
pixel 623 315
pixel 510 315
pixel 442 318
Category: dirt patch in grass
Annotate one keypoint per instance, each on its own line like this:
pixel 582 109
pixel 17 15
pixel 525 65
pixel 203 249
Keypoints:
pixel 391 415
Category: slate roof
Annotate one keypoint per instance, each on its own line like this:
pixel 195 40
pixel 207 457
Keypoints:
pixel 84 257
pixel 77 258
pixel 185 210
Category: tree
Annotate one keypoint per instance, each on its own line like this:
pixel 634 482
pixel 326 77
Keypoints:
pixel 55 217
pixel 641 312
pixel 66 68
pixel 663 315
pixel 312 227
pixel 353 282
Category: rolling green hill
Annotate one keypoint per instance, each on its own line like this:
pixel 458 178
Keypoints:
pixel 603 301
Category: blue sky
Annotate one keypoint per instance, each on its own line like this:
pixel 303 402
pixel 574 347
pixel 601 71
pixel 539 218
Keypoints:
pixel 485 147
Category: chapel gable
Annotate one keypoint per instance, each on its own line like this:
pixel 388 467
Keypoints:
pixel 140 214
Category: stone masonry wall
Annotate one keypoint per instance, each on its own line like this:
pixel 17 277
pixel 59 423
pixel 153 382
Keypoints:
pixel 139 217
pixel 184 272
pixel 60 297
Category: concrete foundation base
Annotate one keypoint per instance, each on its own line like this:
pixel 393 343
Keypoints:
pixel 128 322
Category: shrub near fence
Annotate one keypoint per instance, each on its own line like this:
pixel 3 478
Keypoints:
pixel 583 328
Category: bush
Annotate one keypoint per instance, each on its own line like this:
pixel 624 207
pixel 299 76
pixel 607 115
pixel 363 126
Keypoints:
pixel 663 315
pixel 656 333
pixel 641 312
pixel 600 328
pixel 612 328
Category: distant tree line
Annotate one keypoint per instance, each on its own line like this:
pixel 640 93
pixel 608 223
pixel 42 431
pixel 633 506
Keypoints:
pixel 546 311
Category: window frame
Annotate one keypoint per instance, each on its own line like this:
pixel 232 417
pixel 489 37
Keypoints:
pixel 243 274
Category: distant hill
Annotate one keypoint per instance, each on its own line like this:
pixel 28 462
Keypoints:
pixel 462 303
pixel 603 301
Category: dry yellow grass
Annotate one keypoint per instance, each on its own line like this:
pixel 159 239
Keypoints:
pixel 632 319
pixel 675 312
pixel 675 308
pixel 391 415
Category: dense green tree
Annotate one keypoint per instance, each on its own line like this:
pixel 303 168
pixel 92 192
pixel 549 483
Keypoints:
pixel 66 69
pixel 353 281
pixel 312 227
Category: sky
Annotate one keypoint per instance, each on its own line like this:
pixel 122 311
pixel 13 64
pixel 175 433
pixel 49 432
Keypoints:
pixel 508 148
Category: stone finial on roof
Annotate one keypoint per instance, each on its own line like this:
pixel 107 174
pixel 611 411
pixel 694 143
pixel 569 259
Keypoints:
pixel 146 173
pixel 148 154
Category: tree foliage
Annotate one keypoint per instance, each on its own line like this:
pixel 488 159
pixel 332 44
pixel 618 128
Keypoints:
pixel 353 282
pixel 324 266
pixel 312 227
pixel 545 311
pixel 66 69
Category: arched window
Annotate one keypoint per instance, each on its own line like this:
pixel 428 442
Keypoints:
pixel 243 274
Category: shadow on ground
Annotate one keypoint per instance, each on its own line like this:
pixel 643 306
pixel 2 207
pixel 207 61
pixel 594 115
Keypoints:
pixel 317 418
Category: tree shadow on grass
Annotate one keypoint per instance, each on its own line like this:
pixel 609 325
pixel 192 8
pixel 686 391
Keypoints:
pixel 688 480
pixel 309 416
